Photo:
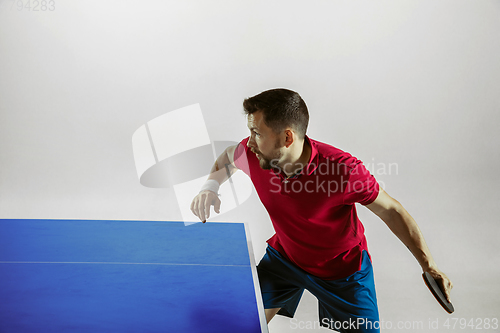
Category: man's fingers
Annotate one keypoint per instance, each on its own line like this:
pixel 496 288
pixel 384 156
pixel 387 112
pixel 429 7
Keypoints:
pixel 195 206
pixel 445 284
pixel 208 203
pixel 217 205
pixel 447 294
pixel 449 286
pixel 200 206
pixel 192 206
pixel 446 291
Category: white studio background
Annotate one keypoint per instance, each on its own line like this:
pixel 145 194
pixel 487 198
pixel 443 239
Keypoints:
pixel 408 83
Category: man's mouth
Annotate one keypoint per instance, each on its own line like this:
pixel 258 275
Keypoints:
pixel 257 154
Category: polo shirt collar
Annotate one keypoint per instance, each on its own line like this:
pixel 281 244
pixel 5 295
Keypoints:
pixel 313 160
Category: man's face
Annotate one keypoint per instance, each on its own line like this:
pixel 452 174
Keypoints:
pixel 263 142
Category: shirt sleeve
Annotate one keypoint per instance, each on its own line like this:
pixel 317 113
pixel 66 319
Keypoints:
pixel 240 156
pixel 361 187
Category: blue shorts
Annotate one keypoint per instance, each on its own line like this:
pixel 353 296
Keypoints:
pixel 345 305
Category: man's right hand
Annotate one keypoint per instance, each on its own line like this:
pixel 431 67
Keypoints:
pixel 200 206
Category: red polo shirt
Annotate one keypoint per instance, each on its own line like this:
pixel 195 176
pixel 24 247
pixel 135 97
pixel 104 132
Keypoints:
pixel 314 213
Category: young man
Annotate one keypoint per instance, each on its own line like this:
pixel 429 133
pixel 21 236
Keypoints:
pixel 310 189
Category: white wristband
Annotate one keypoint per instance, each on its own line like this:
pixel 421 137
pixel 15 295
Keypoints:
pixel 211 185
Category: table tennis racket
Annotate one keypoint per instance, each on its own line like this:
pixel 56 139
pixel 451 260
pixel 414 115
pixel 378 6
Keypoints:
pixel 437 292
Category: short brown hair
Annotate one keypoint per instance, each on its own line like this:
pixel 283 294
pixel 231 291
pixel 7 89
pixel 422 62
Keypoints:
pixel 281 108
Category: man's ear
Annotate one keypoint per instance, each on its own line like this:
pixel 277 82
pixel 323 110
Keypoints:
pixel 289 137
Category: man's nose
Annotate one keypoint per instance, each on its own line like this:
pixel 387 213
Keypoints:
pixel 251 143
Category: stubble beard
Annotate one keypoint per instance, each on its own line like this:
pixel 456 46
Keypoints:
pixel 269 162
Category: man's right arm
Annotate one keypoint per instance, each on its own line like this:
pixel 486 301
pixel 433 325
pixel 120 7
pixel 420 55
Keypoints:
pixel 223 168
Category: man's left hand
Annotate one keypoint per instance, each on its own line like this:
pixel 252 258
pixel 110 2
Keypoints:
pixel 443 281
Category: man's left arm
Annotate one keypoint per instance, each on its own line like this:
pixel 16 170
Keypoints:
pixel 406 229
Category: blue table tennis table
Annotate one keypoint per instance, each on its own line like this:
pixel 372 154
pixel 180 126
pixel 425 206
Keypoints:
pixel 127 276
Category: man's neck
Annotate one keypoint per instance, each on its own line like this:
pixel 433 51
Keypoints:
pixel 302 156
